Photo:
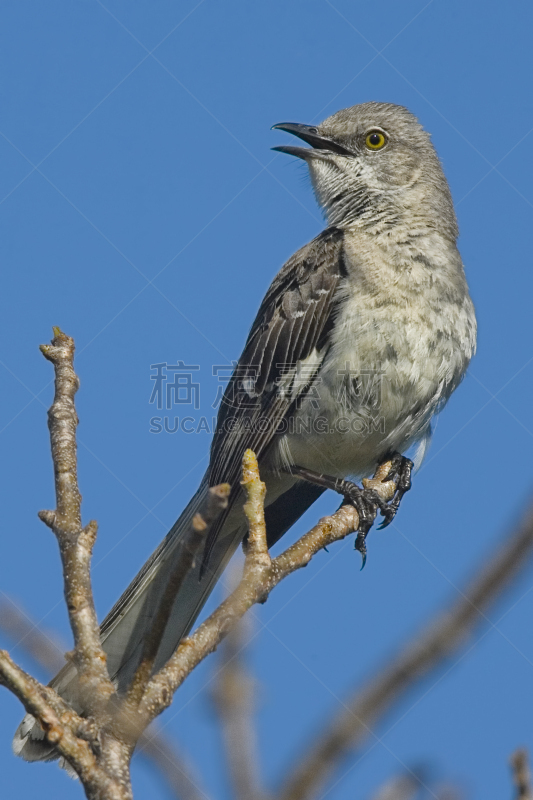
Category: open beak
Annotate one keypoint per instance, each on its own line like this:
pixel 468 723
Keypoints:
pixel 311 136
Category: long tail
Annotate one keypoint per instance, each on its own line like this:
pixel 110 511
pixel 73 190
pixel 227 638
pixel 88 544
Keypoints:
pixel 124 629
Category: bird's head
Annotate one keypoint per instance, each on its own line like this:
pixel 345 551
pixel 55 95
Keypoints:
pixel 374 162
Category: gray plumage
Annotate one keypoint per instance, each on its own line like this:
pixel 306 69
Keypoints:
pixel 360 340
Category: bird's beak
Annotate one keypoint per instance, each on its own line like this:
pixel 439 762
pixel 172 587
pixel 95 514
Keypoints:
pixel 311 136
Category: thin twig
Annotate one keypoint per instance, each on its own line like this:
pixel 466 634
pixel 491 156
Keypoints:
pixel 234 701
pixel 164 755
pixel 401 787
pixel 521 775
pixel 44 647
pixel 348 729
pixel 75 543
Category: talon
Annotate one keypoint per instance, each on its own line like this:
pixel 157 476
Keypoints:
pixel 360 545
pixel 400 472
pixel 366 502
pixel 374 498
pixel 386 521
pixel 401 467
pixel 396 467
pixel 389 512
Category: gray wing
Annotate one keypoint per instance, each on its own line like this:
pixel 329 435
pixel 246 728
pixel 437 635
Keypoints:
pixel 293 321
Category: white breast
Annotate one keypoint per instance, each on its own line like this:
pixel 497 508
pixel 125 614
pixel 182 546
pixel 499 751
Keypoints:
pixel 400 346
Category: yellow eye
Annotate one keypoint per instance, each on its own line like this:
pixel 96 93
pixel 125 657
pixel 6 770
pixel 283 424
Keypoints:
pixel 375 140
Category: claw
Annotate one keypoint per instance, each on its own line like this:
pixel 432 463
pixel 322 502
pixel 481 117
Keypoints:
pixel 396 467
pixel 360 544
pixel 367 504
pixel 389 514
pixel 401 473
pixel 386 522
pixel 388 518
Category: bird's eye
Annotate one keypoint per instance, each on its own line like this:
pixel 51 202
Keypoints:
pixel 375 140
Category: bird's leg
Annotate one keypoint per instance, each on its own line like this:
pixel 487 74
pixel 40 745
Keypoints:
pixel 400 473
pixel 365 501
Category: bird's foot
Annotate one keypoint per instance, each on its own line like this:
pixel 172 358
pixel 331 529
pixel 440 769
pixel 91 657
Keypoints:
pixel 400 473
pixel 366 502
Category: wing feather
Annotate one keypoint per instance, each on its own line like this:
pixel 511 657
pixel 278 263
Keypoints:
pixel 291 323
pixel 288 326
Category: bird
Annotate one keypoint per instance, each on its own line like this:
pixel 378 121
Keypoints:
pixel 359 342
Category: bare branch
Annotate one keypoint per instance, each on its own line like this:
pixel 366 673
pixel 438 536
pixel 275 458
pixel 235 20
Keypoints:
pixel 402 787
pixel 410 785
pixel 60 724
pixel 261 574
pixel 179 774
pixel 99 758
pixel 216 502
pixel 348 729
pixel 521 775
pixel 254 509
pixel 46 649
pixel 75 543
pixel 233 697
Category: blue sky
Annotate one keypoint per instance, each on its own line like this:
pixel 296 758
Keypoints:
pixel 142 211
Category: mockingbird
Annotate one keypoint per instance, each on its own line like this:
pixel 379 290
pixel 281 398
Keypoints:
pixel 361 338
